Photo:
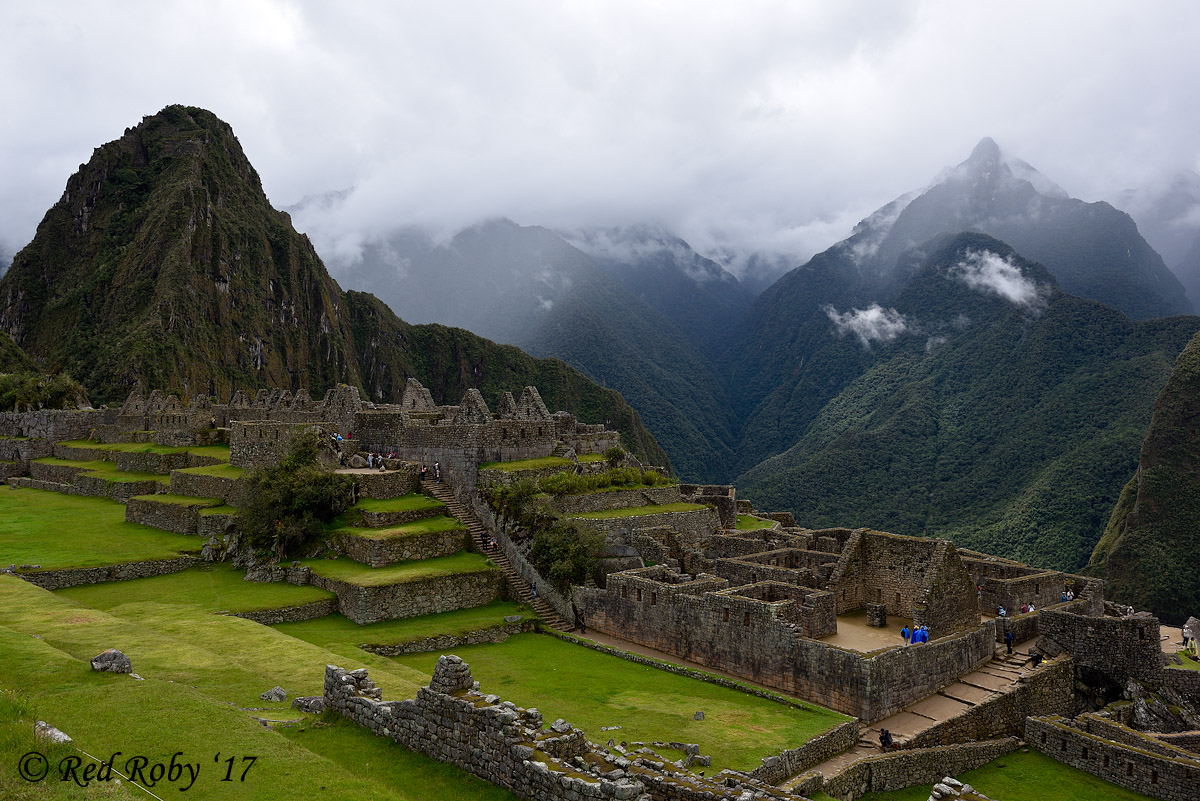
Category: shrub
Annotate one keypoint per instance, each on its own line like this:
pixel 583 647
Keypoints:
pixel 565 553
pixel 290 505
pixel 614 456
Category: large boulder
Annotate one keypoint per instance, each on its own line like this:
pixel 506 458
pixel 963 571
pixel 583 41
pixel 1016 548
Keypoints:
pixel 112 661
pixel 274 694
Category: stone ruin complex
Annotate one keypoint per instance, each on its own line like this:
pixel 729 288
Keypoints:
pixel 763 604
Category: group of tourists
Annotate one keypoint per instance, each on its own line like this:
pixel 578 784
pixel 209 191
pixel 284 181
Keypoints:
pixel 1068 595
pixel 376 460
pixel 917 634
pixel 437 472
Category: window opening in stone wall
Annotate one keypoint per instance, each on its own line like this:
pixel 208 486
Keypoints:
pixel 653 598
pixel 746 620
pixel 639 593
pixel 1128 768
pixel 1106 760
pixel 1085 752
pixel 1043 737
pixel 1063 745
pixel 753 578
pixel 897 603
pixel 1141 634
pixel 726 615
pixel 1154 777
pixel 624 592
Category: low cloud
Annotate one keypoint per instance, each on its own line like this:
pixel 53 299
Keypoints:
pixel 991 273
pixel 872 324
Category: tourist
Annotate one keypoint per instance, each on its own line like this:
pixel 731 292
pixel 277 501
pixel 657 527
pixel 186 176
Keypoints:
pixel 1024 609
pixel 1032 608
pixel 1070 595
pixel 370 460
pixel 1064 596
pixel 582 624
pixel 1008 640
pixel 885 740
pixel 424 473
pixel 905 634
pixel 437 472
pixel 1001 611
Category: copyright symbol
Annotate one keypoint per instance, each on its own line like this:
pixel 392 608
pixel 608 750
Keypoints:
pixel 33 767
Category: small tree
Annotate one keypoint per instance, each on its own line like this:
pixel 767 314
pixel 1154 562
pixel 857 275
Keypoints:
pixel 614 456
pixel 290 505
pixel 565 553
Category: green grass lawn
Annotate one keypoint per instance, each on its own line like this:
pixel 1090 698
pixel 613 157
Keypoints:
pixel 1024 775
pixel 405 503
pixel 1188 664
pixel 59 531
pixel 356 573
pixel 590 458
pixel 181 500
pixel 218 470
pixel 592 689
pixel 214 451
pixel 637 511
pixel 428 525
pixel 223 509
pixel 218 587
pixel 531 464
pixel 751 523
pixel 106 470
pixel 336 632
pixel 201 671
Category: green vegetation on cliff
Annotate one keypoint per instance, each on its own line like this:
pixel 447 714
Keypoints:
pixel 1007 428
pixel 1147 553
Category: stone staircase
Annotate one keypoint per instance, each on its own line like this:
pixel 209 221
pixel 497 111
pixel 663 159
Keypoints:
pixel 980 685
pixel 480 536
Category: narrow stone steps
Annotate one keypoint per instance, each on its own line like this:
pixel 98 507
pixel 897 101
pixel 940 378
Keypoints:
pixel 480 535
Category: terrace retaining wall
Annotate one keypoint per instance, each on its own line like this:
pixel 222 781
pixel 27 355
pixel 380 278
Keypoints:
pixel 74 577
pixel 614 499
pixel 411 598
pixel 382 551
pixel 230 490
pixel 181 518
pixel 896 771
pixel 794 761
pixel 291 614
pixel 444 642
pixel 1135 768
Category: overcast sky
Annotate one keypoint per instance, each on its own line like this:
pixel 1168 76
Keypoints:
pixel 769 125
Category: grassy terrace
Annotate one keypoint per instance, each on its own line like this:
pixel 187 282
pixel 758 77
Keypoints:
pixel 428 525
pixel 405 503
pixel 1188 664
pixel 592 689
pixel 218 587
pixel 1024 775
pixel 218 470
pixel 352 572
pixel 106 470
pixel 60 531
pixel 180 500
pixel 223 509
pixel 530 464
pixel 638 511
pixel 751 523
pixel 203 675
pixel 213 451
pixel 336 632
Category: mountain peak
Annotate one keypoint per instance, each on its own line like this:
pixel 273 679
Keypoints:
pixel 986 151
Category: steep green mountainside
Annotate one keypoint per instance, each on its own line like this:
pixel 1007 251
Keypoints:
pixel 700 297
pixel 1148 552
pixel 163 266
pixel 527 286
pixel 780 375
pixel 13 359
pixel 1007 422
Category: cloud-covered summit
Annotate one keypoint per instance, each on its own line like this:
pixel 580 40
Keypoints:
pixel 992 273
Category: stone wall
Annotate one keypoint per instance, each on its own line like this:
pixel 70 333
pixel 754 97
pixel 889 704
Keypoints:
pixel 614 499
pixel 794 761
pixel 444 642
pixel 230 490
pixel 120 491
pixel 1185 682
pixel 1121 647
pixel 74 577
pixel 398 517
pixel 759 638
pixel 291 614
pixel 915 578
pixel 690 527
pixel 24 450
pixel 399 480
pixel 421 597
pixel 54 425
pixel 382 551
pixel 180 518
pixel 1136 768
pixel 1050 690
pixel 896 771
